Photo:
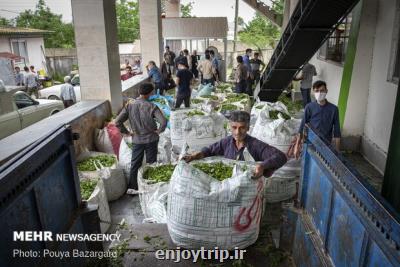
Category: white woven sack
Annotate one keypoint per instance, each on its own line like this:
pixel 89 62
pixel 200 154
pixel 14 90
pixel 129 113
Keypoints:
pixel 278 133
pixel 115 183
pixel 93 174
pixel 197 131
pixel 99 198
pixel 205 212
pixel 279 189
pixel 282 185
pixel 102 141
pixel 255 112
pixel 153 197
pixel 164 147
pixel 125 157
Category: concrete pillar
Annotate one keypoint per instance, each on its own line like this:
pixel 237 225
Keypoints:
pixel 293 4
pixel 357 70
pixel 172 8
pixel 96 41
pixel 150 31
pixel 286 14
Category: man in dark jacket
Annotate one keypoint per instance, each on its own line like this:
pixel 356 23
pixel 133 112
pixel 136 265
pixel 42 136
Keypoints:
pixel 232 147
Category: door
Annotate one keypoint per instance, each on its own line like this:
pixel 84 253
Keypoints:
pixel 27 109
pixel 9 123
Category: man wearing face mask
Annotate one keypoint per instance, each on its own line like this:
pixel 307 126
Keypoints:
pixel 232 147
pixel 322 116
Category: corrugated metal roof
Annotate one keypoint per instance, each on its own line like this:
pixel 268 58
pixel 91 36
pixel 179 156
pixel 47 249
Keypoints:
pixel 21 31
pixel 202 27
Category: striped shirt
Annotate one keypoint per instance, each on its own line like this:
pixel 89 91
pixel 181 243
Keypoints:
pixel 30 80
pixel 142 116
pixel 68 92
pixel 19 78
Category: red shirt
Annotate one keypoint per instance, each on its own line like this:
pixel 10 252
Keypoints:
pixel 126 76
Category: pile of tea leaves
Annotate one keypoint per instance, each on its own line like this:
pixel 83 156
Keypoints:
pixel 217 170
pixel 160 173
pixel 90 163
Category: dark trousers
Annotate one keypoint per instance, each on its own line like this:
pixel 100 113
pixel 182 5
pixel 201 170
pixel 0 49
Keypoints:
pixel 180 99
pixel 206 81
pixel 68 103
pixel 256 75
pixel 160 87
pixel 249 86
pixel 241 87
pixel 305 93
pixel 195 72
pixel 138 151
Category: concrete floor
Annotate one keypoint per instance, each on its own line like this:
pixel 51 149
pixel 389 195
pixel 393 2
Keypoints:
pixel 141 240
pixel 367 171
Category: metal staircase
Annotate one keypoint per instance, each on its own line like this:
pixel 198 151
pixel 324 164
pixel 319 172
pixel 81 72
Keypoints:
pixel 311 23
pixel 264 9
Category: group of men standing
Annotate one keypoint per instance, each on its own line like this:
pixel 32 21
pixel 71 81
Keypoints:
pixel 29 79
pixel 248 71
pixel 144 116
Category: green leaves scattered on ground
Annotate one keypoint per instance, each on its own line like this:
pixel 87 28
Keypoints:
pixel 87 188
pixel 160 173
pixel 195 113
pixel 90 163
pixel 217 170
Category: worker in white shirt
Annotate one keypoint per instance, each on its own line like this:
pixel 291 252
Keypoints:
pixel 67 92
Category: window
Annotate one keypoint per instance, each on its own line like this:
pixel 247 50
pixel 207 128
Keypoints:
pixel 22 100
pixel 334 48
pixel 75 80
pixel 19 48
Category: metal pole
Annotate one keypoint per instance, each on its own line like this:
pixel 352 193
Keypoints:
pixel 391 181
pixel 235 31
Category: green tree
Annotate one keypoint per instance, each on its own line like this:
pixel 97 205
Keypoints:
pixel 260 33
pixel 127 20
pixel 186 10
pixel 5 22
pixel 62 34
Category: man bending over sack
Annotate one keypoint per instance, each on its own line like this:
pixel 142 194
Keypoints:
pixel 232 147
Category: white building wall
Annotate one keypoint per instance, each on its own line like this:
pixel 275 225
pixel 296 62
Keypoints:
pixel 5 44
pixel 34 44
pixel 382 94
pixel 35 55
pixel 331 73
pixel 354 122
